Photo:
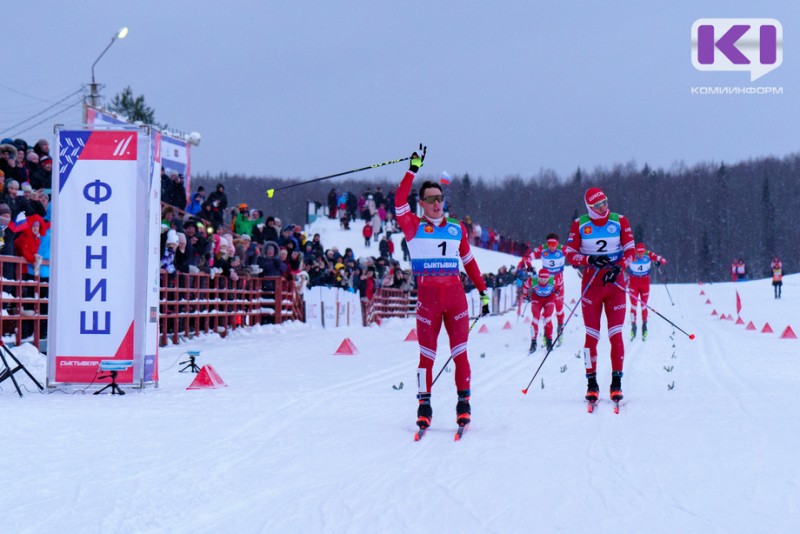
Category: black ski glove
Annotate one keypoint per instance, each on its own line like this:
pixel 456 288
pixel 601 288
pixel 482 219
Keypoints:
pixel 417 159
pixel 598 261
pixel 657 263
pixel 611 274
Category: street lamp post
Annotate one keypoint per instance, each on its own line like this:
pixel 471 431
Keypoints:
pixel 93 94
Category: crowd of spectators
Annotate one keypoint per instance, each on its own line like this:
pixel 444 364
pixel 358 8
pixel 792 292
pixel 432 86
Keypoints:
pixel 262 246
pixel 25 187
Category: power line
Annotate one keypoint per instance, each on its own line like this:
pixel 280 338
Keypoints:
pixel 7 88
pixel 80 101
pixel 43 111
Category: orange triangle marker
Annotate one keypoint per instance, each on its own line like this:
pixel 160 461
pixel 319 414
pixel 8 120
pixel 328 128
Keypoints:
pixel 412 336
pixel 347 348
pixel 572 301
pixel 708 301
pixel 750 326
pixel 207 378
pixel 788 333
pixel 739 320
pixel 702 292
pixel 767 329
pixel 507 326
pixel 714 312
pixel 723 317
pixel 483 330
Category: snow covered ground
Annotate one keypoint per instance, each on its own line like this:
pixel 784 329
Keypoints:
pixel 305 441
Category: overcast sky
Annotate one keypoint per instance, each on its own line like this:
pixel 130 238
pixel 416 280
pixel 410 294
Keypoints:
pixel 303 89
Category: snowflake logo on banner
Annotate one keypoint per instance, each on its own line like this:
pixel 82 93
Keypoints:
pixel 71 144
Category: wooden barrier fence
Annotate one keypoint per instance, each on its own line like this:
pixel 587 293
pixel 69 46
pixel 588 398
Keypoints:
pixel 189 303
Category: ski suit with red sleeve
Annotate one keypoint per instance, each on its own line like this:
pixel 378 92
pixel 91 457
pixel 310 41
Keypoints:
pixel 639 281
pixel 435 250
pixel 554 262
pixel 608 236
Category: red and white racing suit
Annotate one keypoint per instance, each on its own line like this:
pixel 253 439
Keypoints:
pixel 612 237
pixel 639 282
pixel 435 252
pixel 554 262
pixel 543 302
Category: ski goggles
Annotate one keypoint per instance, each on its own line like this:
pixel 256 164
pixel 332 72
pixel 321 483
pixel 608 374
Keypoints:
pixel 433 199
pixel 597 206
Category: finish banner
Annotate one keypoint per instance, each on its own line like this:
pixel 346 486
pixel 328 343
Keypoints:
pixel 100 279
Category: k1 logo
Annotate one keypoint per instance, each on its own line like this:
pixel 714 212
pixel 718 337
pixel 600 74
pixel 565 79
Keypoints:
pixel 754 45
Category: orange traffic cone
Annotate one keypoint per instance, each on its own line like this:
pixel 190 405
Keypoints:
pixel 483 330
pixel 412 336
pixel 767 329
pixel 507 326
pixel 750 326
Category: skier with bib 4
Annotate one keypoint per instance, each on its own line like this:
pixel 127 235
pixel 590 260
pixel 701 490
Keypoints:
pixel 639 284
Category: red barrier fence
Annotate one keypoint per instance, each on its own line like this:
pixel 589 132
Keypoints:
pixel 190 304
pixel 195 303
pixel 390 303
pixel 23 301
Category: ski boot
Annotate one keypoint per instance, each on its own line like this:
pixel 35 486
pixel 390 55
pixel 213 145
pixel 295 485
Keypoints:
pixel 533 346
pixel 633 331
pixel 616 386
pixel 560 340
pixel 548 343
pixel 644 331
pixel 592 388
pixel 424 411
pixel 463 411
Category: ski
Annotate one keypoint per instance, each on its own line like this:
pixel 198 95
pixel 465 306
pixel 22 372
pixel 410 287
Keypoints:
pixel 590 406
pixel 616 406
pixel 420 433
pixel 460 432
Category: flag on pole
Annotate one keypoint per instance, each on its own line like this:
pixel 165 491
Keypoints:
pixel 738 303
pixel 445 178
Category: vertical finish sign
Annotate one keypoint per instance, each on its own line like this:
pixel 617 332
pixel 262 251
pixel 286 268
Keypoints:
pixel 99 236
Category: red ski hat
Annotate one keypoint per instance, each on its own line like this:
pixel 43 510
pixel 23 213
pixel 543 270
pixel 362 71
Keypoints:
pixel 592 197
pixel 640 247
pixel 544 276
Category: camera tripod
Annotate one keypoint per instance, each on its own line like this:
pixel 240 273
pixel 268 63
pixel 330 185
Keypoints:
pixel 191 365
pixel 8 372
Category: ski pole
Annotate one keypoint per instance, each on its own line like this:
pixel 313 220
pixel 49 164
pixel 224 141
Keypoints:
pixel 451 356
pixel 271 192
pixel 667 288
pixel 690 336
pixel 560 332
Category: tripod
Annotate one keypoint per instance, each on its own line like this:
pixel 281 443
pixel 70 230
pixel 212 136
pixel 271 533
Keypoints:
pixel 115 390
pixel 7 372
pixel 191 366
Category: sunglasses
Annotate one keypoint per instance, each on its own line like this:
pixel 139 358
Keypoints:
pixel 432 199
pixel 599 205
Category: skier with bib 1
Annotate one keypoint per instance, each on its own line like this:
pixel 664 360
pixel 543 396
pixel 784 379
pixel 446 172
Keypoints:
pixel 602 243
pixel 436 244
